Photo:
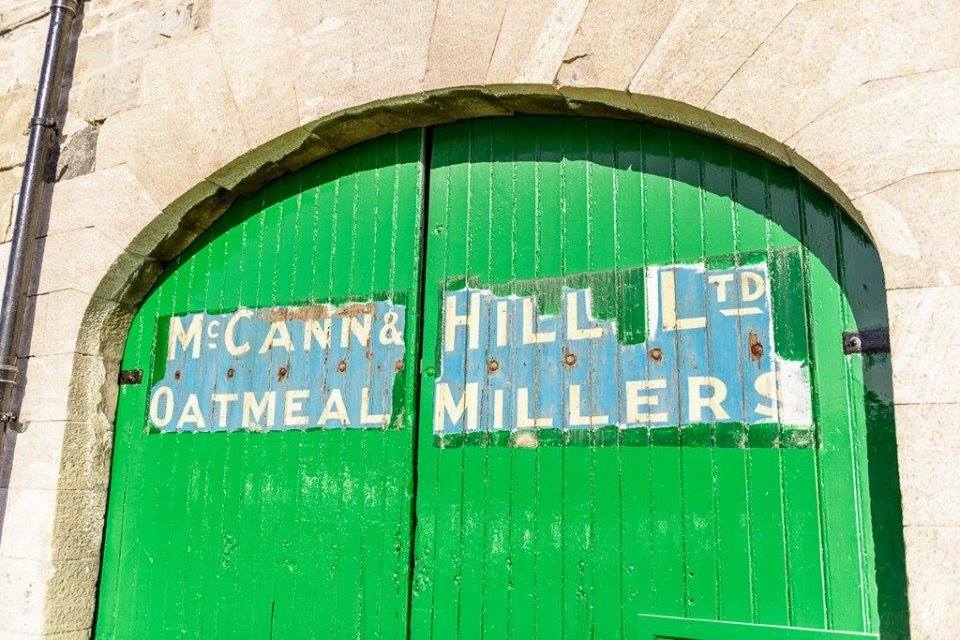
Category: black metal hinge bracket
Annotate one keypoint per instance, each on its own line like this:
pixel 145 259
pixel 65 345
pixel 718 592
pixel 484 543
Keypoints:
pixel 866 341
pixel 131 376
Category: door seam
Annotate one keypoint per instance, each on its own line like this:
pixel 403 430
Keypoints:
pixel 426 156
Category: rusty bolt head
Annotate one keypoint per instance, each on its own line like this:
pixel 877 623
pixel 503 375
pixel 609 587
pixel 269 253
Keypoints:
pixel 570 359
pixel 399 365
pixel 177 374
pixel 756 349
pixel 281 373
pixel 656 353
pixel 342 366
pixel 493 365
pixel 230 372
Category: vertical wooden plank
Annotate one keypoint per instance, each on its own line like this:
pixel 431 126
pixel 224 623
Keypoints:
pixel 728 471
pixel 699 553
pixel 546 229
pixel 485 492
pixel 766 531
pixel 457 241
pixel 322 491
pixel 290 466
pixel 872 400
pixel 578 472
pixel 249 481
pixel 802 523
pixel 514 183
pixel 637 551
pixel 667 461
pixel 605 451
pixel 203 504
pixel 838 500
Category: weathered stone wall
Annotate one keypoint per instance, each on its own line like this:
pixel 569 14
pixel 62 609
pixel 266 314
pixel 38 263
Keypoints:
pixel 173 105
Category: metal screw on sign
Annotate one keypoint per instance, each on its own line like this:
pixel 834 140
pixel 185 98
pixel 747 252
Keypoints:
pixel 342 366
pixel 656 353
pixel 493 366
pixel 570 359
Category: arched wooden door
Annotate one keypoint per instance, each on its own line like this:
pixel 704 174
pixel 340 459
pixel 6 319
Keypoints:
pixel 628 413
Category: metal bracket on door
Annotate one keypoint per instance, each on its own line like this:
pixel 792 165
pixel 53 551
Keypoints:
pixel 866 341
pixel 131 376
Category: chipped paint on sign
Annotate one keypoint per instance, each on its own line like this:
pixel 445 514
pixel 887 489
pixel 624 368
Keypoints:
pixel 708 357
pixel 281 368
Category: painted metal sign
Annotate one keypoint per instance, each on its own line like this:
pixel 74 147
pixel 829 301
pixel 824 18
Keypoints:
pixel 281 368
pixel 708 357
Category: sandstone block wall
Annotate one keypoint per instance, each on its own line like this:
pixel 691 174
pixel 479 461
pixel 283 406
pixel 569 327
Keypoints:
pixel 175 104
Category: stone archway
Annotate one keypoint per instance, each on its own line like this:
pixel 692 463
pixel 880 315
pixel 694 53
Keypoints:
pixel 93 385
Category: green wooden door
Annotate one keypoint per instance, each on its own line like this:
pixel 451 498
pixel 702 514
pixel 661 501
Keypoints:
pixel 608 306
pixel 287 532
pixel 629 414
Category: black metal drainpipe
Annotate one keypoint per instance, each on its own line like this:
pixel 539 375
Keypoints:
pixel 22 270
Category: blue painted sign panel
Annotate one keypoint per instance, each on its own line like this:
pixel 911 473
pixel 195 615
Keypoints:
pixel 281 368
pixel 708 357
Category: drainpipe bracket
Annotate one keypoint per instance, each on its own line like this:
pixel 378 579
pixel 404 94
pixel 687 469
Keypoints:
pixel 10 421
pixel 46 123
pixel 67 5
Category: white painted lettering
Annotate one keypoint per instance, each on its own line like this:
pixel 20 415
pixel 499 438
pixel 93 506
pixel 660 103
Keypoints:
pixel 668 297
pixel 358 325
pixel 229 333
pixel 574 332
pixel 191 413
pixel 334 409
pixel 720 281
pixel 575 414
pixel 213 335
pixel 158 418
pixel 752 286
pixel 444 405
pixel 365 416
pixel 501 323
pixel 187 339
pixel 713 402
pixel 766 386
pixel 452 320
pixel 258 414
pixel 293 406
pixel 223 401
pixel 636 401
pixel 390 333
pixel 316 330
pixel 530 335
pixel 277 336
pixel 524 421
